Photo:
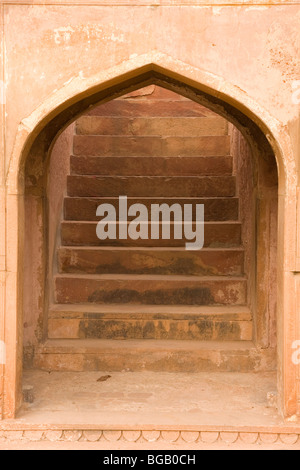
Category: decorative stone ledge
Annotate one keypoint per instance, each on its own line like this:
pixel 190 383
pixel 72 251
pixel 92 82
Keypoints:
pixel 207 435
pixel 152 3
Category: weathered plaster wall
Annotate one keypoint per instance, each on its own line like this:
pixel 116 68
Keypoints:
pixel 257 187
pixel 35 279
pixel 59 168
pixel 246 52
pixel 47 46
pixel 244 169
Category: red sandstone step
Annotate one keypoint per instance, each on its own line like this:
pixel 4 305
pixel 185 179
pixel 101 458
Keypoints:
pixel 149 108
pixel 216 235
pixel 215 209
pixel 150 322
pixel 151 166
pixel 151 186
pixel 159 126
pixel 146 289
pixel 152 355
pixel 144 146
pixel 206 262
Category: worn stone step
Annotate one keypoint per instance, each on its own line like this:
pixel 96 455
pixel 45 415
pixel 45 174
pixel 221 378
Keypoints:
pixel 216 235
pixel 152 355
pixel 150 322
pixel 144 146
pixel 147 289
pixel 149 108
pixel 206 262
pixel 215 209
pixel 159 126
pixel 151 166
pixel 151 186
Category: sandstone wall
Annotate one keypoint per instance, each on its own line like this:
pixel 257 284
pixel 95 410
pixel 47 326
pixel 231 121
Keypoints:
pixel 54 54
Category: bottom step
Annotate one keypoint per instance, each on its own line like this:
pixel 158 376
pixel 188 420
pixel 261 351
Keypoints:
pixel 129 321
pixel 152 355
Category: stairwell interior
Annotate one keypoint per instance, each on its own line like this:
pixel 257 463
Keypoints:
pixel 152 305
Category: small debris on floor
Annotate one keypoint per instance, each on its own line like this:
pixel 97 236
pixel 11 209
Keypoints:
pixel 103 378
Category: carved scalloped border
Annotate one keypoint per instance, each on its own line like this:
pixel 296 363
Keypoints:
pixel 151 436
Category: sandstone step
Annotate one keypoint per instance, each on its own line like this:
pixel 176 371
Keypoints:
pixel 149 108
pixel 152 355
pixel 150 322
pixel 215 209
pixel 159 126
pixel 107 260
pixel 143 146
pixel 216 235
pixel 151 186
pixel 151 166
pixel 147 289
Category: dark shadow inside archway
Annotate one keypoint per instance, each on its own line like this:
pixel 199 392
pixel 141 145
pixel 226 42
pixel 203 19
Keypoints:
pixel 262 208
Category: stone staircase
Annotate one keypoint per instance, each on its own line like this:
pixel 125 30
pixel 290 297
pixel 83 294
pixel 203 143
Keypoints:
pixel 174 309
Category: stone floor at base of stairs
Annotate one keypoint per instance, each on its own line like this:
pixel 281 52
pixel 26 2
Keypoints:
pixel 151 398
